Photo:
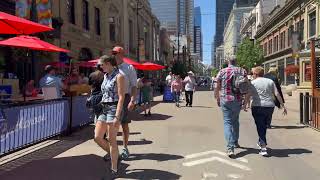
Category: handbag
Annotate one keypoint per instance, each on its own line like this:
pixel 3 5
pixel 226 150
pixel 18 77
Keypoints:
pixel 94 102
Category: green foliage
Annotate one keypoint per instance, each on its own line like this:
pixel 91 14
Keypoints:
pixel 249 54
pixel 214 72
pixel 179 68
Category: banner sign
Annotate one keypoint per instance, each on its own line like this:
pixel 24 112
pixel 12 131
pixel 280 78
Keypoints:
pixel 44 12
pixel 23 8
pixel 24 125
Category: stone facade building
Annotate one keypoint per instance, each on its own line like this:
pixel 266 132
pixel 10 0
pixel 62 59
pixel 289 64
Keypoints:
pixel 278 39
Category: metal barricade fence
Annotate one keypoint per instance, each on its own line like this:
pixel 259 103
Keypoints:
pixel 310 110
pixel 25 125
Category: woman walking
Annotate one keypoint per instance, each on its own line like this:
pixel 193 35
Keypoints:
pixel 262 92
pixel 176 89
pixel 108 121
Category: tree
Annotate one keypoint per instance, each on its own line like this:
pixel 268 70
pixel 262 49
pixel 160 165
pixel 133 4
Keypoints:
pixel 249 54
pixel 214 72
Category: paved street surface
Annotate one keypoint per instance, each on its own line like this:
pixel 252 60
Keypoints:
pixel 181 143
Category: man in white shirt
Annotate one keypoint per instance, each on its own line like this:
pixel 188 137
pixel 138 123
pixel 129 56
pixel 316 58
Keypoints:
pixel 130 75
pixel 169 79
pixel 190 87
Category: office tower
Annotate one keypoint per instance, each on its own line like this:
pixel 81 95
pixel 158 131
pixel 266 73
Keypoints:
pixel 197 33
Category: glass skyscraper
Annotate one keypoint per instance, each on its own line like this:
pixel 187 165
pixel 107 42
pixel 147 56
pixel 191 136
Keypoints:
pixel 166 11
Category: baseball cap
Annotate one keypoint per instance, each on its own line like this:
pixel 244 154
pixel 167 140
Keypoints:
pixel 117 50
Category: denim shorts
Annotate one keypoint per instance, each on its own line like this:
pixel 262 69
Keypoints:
pixel 108 113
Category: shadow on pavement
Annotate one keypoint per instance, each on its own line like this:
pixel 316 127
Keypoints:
pixel 149 174
pixel 198 107
pixel 46 153
pixel 280 153
pixel 153 117
pixel 287 127
pixel 154 156
pixel 131 133
pixel 141 142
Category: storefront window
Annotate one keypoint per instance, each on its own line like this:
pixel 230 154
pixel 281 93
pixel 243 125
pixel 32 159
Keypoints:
pixel 290 77
pixel 307 72
pixel 281 71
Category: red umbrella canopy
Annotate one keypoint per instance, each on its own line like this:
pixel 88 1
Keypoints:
pixel 58 64
pixel 125 59
pixel 31 43
pixel 150 67
pixel 10 24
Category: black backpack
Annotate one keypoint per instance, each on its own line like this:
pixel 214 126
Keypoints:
pixel 93 102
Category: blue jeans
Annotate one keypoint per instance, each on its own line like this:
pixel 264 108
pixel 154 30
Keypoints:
pixel 262 117
pixel 177 97
pixel 231 111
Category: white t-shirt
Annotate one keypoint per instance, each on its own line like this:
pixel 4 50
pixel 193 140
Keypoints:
pixel 130 76
pixel 263 91
pixel 169 79
pixel 190 83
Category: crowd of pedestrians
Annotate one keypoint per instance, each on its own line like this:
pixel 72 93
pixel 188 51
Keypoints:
pixel 235 91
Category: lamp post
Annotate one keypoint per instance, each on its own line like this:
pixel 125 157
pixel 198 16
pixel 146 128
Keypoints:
pixel 137 8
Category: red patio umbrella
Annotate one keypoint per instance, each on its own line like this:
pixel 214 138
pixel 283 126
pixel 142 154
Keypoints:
pixel 125 59
pixel 31 42
pixel 58 64
pixel 150 67
pixel 10 24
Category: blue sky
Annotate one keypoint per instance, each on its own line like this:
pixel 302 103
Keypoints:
pixel 208 26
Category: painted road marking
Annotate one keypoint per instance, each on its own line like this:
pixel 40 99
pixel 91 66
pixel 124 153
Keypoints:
pixel 206 160
pixel 209 175
pixel 196 155
pixel 235 176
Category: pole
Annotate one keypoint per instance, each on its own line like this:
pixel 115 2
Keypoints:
pixel 178 45
pixel 313 66
pixel 301 108
pixel 138 39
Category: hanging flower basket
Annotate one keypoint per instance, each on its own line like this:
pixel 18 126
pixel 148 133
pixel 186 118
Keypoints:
pixel 292 69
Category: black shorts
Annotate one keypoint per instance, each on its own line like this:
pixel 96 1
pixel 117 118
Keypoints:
pixel 125 117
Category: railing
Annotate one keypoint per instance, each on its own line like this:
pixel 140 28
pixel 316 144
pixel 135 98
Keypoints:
pixel 310 110
pixel 25 125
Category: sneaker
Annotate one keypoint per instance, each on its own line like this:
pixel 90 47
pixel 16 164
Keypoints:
pixel 259 146
pixel 107 157
pixel 230 153
pixel 237 145
pixel 125 154
pixel 263 152
pixel 187 105
pixel 190 105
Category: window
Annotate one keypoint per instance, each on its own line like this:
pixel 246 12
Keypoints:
pixel 265 49
pixel 276 44
pixel 85 14
pixel 270 47
pixel 290 31
pixel 300 29
pixel 312 24
pixel 71 12
pixel 97 20
pixel 282 40
pixel 306 71
pixel 112 29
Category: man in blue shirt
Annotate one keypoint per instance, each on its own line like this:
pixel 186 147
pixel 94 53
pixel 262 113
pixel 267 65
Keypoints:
pixel 51 80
